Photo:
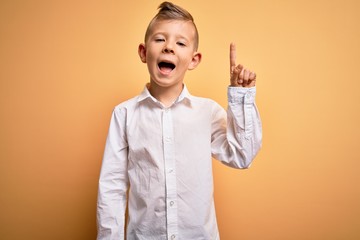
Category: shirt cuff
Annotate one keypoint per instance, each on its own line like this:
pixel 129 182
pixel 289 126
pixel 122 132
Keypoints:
pixel 241 95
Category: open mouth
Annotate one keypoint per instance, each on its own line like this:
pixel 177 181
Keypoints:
pixel 166 67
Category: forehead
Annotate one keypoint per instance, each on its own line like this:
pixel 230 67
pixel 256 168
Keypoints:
pixel 178 27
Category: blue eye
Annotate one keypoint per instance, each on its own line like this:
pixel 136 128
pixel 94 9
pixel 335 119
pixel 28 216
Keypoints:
pixel 181 44
pixel 159 40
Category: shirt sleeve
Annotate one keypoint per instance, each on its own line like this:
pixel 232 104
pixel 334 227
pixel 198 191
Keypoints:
pixel 113 182
pixel 237 133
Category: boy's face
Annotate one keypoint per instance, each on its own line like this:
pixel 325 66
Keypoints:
pixel 169 52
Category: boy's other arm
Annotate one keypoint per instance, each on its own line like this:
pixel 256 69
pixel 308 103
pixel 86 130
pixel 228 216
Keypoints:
pixel 237 135
pixel 113 182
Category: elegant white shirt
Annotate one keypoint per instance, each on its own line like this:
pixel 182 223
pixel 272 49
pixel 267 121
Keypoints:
pixel 159 161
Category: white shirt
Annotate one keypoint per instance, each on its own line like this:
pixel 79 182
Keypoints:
pixel 162 159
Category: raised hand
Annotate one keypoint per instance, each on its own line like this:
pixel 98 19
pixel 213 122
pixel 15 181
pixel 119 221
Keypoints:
pixel 240 76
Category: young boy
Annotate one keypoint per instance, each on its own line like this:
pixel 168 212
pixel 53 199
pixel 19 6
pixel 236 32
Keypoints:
pixel 160 144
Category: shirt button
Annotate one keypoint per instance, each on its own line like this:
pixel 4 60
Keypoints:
pixel 172 203
pixel 170 170
pixel 173 236
pixel 168 139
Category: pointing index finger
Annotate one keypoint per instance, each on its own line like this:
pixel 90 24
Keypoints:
pixel 232 56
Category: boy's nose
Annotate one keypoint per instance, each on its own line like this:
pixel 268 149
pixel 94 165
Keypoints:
pixel 168 49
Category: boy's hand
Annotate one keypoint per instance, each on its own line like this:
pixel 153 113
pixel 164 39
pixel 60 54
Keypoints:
pixel 240 76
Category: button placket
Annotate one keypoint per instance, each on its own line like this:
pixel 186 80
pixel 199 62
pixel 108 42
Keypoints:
pixel 170 173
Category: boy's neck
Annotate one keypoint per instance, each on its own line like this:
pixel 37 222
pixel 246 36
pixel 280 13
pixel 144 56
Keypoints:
pixel 165 95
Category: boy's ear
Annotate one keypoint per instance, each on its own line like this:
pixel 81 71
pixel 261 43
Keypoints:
pixel 195 61
pixel 142 52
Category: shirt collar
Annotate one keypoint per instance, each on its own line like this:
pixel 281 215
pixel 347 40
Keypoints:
pixel 145 94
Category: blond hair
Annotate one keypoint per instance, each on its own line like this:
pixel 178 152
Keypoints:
pixel 170 11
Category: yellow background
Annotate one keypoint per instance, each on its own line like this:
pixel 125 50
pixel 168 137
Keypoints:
pixel 66 64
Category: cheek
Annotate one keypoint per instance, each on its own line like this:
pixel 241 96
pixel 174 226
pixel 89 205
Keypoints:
pixel 149 58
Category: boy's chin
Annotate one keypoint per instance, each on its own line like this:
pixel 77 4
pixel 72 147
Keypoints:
pixel 165 83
